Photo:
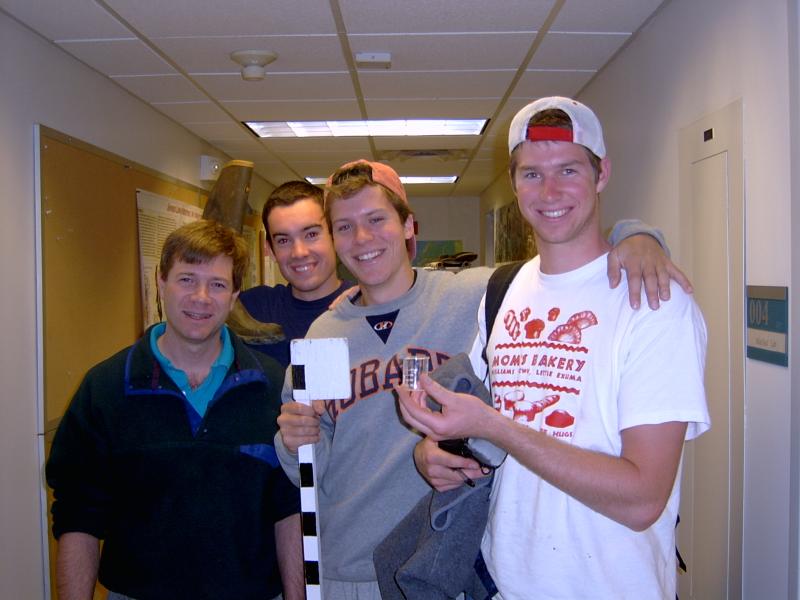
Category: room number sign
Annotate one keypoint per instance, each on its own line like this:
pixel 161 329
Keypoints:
pixel 768 324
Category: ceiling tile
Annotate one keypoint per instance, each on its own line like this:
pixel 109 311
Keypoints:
pixel 470 185
pixel 451 142
pixel 576 50
pixel 320 168
pixel 451 59
pixel 369 16
pixel 536 84
pixel 605 15
pixel 439 84
pixel 192 112
pixel 432 108
pixel 443 160
pixel 347 146
pixel 278 86
pixel 439 51
pixel 426 167
pixel 298 53
pixel 495 146
pixel 161 88
pixel 430 190
pixel 263 159
pixel 244 149
pixel 532 85
pixel 495 152
pixel 294 110
pixel 119 57
pixel 485 152
pixel 483 168
pixel 62 20
pixel 276 173
pixel 233 17
pixel 218 131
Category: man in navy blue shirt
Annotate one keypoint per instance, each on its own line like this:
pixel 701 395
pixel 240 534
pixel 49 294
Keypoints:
pixel 301 243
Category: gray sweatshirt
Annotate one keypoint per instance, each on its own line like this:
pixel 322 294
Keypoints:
pixel 365 470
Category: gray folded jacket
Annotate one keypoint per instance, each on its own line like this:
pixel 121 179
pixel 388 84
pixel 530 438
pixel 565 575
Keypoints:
pixel 431 553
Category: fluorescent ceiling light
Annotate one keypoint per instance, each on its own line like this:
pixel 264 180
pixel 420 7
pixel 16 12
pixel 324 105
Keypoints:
pixel 400 127
pixel 405 180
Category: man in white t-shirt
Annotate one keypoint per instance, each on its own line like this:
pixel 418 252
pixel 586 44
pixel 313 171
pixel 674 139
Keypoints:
pixel 592 400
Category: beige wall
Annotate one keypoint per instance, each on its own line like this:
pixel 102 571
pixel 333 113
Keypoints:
pixel 448 218
pixel 794 309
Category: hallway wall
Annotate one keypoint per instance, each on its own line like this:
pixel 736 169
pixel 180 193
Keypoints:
pixel 448 218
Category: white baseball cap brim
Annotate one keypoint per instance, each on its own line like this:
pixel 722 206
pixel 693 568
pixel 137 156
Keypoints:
pixel 586 128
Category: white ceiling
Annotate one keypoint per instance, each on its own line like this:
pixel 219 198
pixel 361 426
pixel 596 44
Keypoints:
pixel 450 59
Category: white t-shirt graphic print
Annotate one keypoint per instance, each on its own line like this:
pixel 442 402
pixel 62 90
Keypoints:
pixel 537 374
pixel 569 357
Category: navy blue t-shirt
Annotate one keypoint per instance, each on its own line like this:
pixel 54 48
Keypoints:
pixel 277 305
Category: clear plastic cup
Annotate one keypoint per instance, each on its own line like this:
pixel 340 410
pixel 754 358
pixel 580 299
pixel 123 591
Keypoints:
pixel 413 367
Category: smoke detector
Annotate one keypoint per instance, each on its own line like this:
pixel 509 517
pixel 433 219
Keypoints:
pixel 253 63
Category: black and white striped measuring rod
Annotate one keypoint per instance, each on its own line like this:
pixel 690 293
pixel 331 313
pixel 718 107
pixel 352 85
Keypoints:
pixel 320 371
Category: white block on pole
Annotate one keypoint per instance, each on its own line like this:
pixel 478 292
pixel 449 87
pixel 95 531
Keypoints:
pixel 320 371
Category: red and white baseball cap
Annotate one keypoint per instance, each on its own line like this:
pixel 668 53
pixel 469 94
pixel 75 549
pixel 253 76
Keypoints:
pixel 586 128
pixel 384 175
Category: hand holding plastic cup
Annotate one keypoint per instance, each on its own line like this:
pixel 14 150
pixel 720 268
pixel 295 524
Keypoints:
pixel 413 367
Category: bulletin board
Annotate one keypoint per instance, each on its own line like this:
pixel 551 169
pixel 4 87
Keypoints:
pixel 90 263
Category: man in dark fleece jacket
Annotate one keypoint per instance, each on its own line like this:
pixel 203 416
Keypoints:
pixel 166 453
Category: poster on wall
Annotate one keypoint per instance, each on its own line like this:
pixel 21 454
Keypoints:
pixel 513 235
pixel 157 217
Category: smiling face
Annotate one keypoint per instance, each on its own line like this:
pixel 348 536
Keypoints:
pixel 370 240
pixel 303 248
pixel 557 192
pixel 197 299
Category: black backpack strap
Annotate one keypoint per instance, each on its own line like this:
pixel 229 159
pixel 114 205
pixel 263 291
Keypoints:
pixel 681 563
pixel 495 292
